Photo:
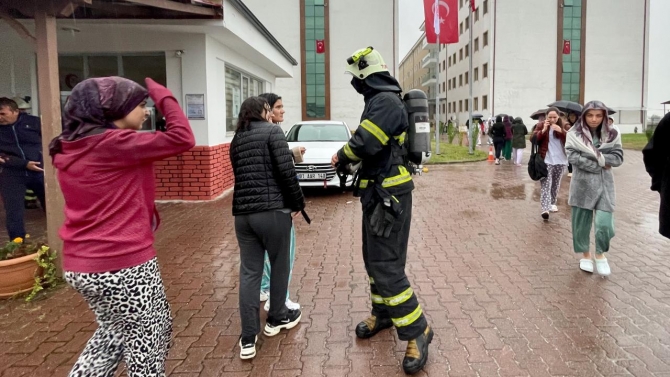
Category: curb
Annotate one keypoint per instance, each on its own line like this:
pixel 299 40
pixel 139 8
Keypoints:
pixel 456 162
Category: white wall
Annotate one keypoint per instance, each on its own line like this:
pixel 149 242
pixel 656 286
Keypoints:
pixel 350 29
pixel 614 53
pixel 659 56
pixel 284 24
pixel 525 57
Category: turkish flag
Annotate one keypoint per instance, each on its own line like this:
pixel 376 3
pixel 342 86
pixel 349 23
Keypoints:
pixel 472 5
pixel 566 47
pixel 320 46
pixel 442 20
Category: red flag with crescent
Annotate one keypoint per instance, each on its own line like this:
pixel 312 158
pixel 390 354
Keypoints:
pixel 442 20
pixel 566 47
pixel 320 46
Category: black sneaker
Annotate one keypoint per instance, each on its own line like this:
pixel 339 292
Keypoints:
pixel 273 326
pixel 248 347
pixel 545 215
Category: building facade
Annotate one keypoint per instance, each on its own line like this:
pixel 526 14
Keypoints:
pixel 321 35
pixel 525 57
pixel 414 67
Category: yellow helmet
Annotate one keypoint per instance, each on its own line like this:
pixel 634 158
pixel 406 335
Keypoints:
pixel 365 62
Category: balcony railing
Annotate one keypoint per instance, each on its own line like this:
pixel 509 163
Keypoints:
pixel 428 79
pixel 428 61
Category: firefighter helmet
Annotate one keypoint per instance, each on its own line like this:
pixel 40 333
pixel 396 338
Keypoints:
pixel 365 62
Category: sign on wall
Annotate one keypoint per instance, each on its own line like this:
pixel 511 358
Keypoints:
pixel 195 106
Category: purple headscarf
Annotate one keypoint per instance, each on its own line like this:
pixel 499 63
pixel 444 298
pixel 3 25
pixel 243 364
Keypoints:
pixel 94 104
pixel 581 128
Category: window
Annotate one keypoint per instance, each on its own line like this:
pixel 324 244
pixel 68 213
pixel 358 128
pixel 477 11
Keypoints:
pixel 460 55
pixel 444 108
pixel 467 105
pixel 454 59
pixel 485 102
pixel 467 23
pixel 485 70
pixel 449 84
pixel 239 86
pixel 477 15
pixel 449 106
pixel 460 106
pixel 485 37
pixel 570 75
pixel 454 83
pixel 460 80
pixel 449 60
pixel 315 95
pixel 486 6
pixel 476 74
pixel 467 76
pixel 476 44
pixel 467 50
pixel 454 106
pixel 461 28
pixel 444 85
pixel 461 6
pixel 475 104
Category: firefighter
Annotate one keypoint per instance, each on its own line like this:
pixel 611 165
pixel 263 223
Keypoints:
pixel 385 186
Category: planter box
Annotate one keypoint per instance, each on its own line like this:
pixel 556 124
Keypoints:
pixel 18 275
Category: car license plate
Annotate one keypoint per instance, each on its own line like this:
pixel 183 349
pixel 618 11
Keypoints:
pixel 307 176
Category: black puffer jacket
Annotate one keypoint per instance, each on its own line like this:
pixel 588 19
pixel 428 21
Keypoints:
pixel 265 177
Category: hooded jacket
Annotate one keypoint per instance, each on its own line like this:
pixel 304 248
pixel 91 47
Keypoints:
pixel 20 143
pixel 108 184
pixel 657 162
pixel 384 123
pixel 519 132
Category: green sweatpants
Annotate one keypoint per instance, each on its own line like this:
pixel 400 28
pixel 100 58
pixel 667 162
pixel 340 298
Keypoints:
pixel 507 150
pixel 581 229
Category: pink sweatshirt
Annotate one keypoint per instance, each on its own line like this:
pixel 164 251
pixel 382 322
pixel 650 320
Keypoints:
pixel 108 184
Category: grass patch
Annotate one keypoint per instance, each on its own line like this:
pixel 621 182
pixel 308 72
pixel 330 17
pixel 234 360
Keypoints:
pixel 455 153
pixel 634 141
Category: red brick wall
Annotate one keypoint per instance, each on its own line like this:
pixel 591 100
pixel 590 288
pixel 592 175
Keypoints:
pixel 202 173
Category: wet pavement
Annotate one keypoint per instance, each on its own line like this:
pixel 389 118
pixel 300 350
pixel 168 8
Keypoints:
pixel 501 288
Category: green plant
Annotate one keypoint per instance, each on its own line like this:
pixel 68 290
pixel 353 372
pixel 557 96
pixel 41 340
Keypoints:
pixel 452 131
pixel 475 133
pixel 45 259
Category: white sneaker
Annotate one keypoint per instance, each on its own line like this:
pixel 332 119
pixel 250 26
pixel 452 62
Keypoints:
pixel 248 348
pixel 603 267
pixel 289 304
pixel 569 174
pixel 586 265
pixel 554 208
pixel 265 295
pixel 497 161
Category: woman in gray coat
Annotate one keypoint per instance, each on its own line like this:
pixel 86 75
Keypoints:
pixel 593 148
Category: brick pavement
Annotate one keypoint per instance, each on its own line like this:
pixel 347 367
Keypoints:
pixel 501 288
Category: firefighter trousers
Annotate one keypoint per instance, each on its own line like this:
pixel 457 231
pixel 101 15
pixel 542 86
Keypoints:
pixel 385 258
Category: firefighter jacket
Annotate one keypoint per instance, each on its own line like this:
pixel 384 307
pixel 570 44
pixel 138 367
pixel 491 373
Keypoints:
pixel 378 144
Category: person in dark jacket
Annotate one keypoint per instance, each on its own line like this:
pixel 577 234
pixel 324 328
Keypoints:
pixel 657 162
pixel 507 150
pixel 519 132
pixel 385 186
pixel 20 164
pixel 266 193
pixel 497 132
pixel 550 138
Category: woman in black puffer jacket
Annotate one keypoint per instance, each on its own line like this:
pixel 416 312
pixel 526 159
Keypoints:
pixel 266 193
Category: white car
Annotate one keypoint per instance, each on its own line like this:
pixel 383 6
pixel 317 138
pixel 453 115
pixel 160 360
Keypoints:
pixel 321 139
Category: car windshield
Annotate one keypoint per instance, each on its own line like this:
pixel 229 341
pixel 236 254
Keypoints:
pixel 318 132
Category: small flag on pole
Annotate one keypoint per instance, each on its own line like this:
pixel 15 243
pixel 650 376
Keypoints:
pixel 472 5
pixel 320 46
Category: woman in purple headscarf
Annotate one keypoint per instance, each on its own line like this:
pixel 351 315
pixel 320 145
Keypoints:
pixel 507 150
pixel 105 170
pixel 594 148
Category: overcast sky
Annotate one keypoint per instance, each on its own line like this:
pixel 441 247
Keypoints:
pixel 411 17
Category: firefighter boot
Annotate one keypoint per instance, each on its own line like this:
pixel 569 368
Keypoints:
pixel 371 326
pixel 417 352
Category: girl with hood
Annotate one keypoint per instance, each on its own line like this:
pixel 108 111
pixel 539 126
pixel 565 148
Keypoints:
pixel 507 151
pixel 594 148
pixel 276 116
pixel 497 133
pixel 550 138
pixel 519 132
pixel 105 170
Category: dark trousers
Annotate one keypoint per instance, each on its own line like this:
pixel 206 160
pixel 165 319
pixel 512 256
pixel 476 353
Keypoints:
pixel 257 233
pixel 498 144
pixel 385 258
pixel 13 192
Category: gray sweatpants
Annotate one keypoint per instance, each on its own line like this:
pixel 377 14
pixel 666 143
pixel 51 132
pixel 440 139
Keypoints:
pixel 257 233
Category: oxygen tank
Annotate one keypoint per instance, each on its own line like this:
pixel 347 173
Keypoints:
pixel 418 136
